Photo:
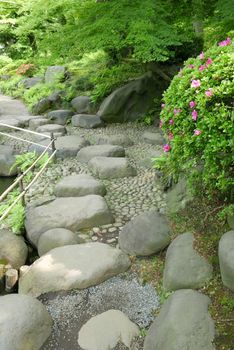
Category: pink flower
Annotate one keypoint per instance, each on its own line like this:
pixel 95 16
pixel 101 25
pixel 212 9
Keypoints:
pixel 171 121
pixel 225 42
pixel 208 62
pixel 194 115
pixel 195 83
pixel 176 111
pixel 201 68
pixel 163 105
pixel 201 56
pixel 191 66
pixel 170 136
pixel 192 104
pixel 209 92
pixel 166 147
pixel 160 123
pixel 197 132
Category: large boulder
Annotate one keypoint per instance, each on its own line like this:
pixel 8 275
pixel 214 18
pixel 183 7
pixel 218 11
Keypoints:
pixel 87 121
pixel 42 106
pixel 184 266
pixel 57 237
pixel 87 153
pixel 131 101
pixel 7 161
pixel 25 324
pixel 146 234
pixel 106 330
pixel 118 140
pixel 60 116
pixel 226 259
pixel 183 323
pixel 73 266
pixel 13 249
pixel 73 213
pixel 55 74
pixel 178 196
pixel 82 104
pixel 79 185
pixel 27 83
pixel 111 167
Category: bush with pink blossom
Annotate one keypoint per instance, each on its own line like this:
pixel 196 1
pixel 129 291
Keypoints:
pixel 197 119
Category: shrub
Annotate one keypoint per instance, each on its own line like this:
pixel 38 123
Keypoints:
pixel 197 119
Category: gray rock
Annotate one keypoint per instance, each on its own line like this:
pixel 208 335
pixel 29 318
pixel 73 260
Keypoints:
pixel 178 196
pixel 35 123
pixel 73 213
pixel 79 185
pixel 183 323
pixel 154 138
pixel 87 121
pixel 119 140
pixel 10 106
pixel 82 104
pixel 42 106
pixel 111 167
pixel 7 161
pixel 30 82
pixel 131 101
pixel 57 130
pixel 87 153
pixel 73 266
pixel 184 267
pixel 147 162
pixel 24 323
pixel 146 234
pixel 13 249
pixel 61 116
pixel 226 259
pixel 57 237
pixel 11 121
pixel 106 330
pixel 55 74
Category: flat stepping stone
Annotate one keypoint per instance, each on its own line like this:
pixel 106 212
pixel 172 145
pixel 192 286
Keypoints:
pixel 79 185
pixel 106 330
pixel 183 323
pixel 111 167
pixel 119 140
pixel 226 259
pixel 72 213
pixel 184 266
pixel 13 249
pixel 87 153
pixel 24 323
pixel 60 116
pixel 57 237
pixel 73 267
pixel 155 238
pixel 36 123
pixel 154 138
pixel 87 121
pixel 57 130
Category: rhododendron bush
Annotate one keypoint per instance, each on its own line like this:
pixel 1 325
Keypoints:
pixel 197 119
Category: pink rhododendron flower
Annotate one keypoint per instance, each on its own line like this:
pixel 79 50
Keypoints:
pixel 225 42
pixel 201 68
pixel 201 56
pixel 176 111
pixel 170 136
pixel 208 62
pixel 195 83
pixel 171 121
pixel 166 147
pixel 160 123
pixel 192 104
pixel 163 105
pixel 209 92
pixel 197 132
pixel 191 66
pixel 194 115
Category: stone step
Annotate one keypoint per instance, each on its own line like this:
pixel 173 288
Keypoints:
pixel 111 167
pixel 87 153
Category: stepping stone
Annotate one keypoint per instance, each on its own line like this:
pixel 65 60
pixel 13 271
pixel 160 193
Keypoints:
pixel 66 146
pixel 60 116
pixel 72 213
pixel 11 122
pixel 24 323
pixel 73 267
pixel 87 153
pixel 79 185
pixel 106 330
pixel 147 162
pixel 183 323
pixel 82 104
pixel 13 249
pixel 226 259
pixel 154 138
pixel 7 160
pixel 36 123
pixel 184 266
pixel 57 237
pixel 87 121
pixel 57 130
pixel 119 140
pixel 111 167
pixel 146 234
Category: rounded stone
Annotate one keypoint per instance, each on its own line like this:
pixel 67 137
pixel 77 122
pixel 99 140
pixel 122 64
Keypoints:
pixel 13 249
pixel 226 259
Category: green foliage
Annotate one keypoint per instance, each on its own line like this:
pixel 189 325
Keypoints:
pixel 202 148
